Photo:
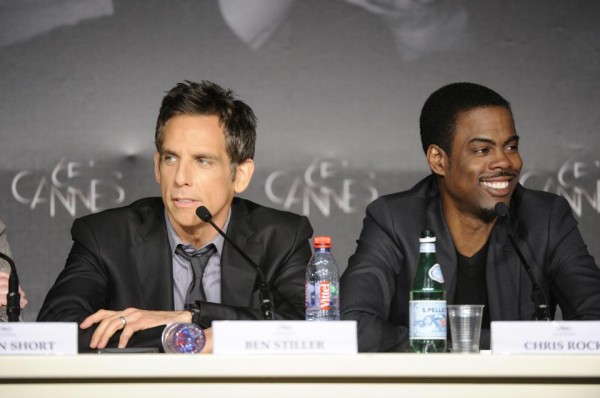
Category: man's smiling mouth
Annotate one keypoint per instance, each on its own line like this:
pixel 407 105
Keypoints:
pixel 496 184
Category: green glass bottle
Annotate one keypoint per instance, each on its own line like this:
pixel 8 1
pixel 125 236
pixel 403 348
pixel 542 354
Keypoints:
pixel 427 315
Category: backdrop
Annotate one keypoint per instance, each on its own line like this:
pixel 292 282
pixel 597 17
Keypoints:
pixel 337 86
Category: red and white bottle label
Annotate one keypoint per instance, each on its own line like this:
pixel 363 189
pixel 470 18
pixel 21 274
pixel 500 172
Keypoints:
pixel 324 295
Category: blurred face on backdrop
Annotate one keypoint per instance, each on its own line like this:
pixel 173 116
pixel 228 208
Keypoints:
pixel 193 169
pixel 484 165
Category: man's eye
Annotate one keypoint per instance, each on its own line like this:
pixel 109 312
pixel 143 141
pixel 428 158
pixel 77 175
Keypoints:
pixel 513 148
pixel 482 151
pixel 169 158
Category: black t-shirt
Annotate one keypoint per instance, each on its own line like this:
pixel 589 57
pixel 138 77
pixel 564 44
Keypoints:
pixel 471 287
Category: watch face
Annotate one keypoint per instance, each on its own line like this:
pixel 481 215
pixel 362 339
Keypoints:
pixel 196 318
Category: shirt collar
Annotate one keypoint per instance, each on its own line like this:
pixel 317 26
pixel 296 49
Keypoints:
pixel 175 240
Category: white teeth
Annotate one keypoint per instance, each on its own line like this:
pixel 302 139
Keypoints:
pixel 496 185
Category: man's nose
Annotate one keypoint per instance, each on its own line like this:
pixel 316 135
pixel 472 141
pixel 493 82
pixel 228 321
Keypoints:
pixel 182 175
pixel 501 160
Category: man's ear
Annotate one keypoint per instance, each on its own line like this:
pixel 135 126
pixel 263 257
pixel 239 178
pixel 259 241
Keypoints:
pixel 243 175
pixel 437 159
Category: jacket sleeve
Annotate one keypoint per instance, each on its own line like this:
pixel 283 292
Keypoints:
pixel 573 274
pixel 368 286
pixel 81 287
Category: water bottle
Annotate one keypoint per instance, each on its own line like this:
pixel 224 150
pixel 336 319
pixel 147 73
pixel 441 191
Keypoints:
pixel 322 283
pixel 427 324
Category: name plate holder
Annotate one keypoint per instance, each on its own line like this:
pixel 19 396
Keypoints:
pixel 539 337
pixel 284 337
pixel 44 338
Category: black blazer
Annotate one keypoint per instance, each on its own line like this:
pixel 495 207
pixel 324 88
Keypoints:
pixel 121 258
pixel 375 287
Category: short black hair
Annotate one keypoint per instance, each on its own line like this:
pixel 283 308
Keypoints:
pixel 207 98
pixel 440 111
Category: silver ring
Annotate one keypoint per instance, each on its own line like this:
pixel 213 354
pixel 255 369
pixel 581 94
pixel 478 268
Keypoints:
pixel 123 320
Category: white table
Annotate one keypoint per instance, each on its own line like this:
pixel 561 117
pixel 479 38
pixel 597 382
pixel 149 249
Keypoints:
pixel 362 375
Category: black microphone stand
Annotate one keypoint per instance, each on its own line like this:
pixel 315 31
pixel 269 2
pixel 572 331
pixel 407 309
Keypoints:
pixel 541 312
pixel 266 300
pixel 13 298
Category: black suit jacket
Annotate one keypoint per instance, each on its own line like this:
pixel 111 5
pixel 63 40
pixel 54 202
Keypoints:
pixel 121 258
pixel 375 287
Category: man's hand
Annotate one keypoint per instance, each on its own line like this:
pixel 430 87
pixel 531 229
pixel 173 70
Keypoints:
pixel 4 290
pixel 130 320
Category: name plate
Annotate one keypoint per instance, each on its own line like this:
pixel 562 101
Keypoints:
pixel 538 337
pixel 284 337
pixel 44 338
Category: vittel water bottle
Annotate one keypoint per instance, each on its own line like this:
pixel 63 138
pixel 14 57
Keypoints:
pixel 427 325
pixel 322 283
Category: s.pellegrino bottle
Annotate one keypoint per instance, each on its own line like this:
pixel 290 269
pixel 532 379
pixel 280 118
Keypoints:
pixel 322 295
pixel 427 324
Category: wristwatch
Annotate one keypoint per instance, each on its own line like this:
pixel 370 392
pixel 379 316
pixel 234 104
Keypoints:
pixel 194 308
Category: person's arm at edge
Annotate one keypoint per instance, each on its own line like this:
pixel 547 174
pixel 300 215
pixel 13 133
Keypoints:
pixel 574 275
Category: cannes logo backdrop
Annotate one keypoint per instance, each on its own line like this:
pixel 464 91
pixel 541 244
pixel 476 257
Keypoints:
pixel 324 185
pixel 578 181
pixel 70 185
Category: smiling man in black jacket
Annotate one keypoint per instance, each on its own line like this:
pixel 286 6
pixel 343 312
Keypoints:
pixel 472 148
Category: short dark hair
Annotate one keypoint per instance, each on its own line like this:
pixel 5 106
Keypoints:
pixel 440 111
pixel 207 98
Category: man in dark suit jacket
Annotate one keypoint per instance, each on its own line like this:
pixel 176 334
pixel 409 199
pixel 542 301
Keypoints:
pixel 122 279
pixel 471 144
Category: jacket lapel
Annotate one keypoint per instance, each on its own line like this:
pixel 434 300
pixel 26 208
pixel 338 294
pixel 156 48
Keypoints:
pixel 445 251
pixel 238 277
pixel 151 256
